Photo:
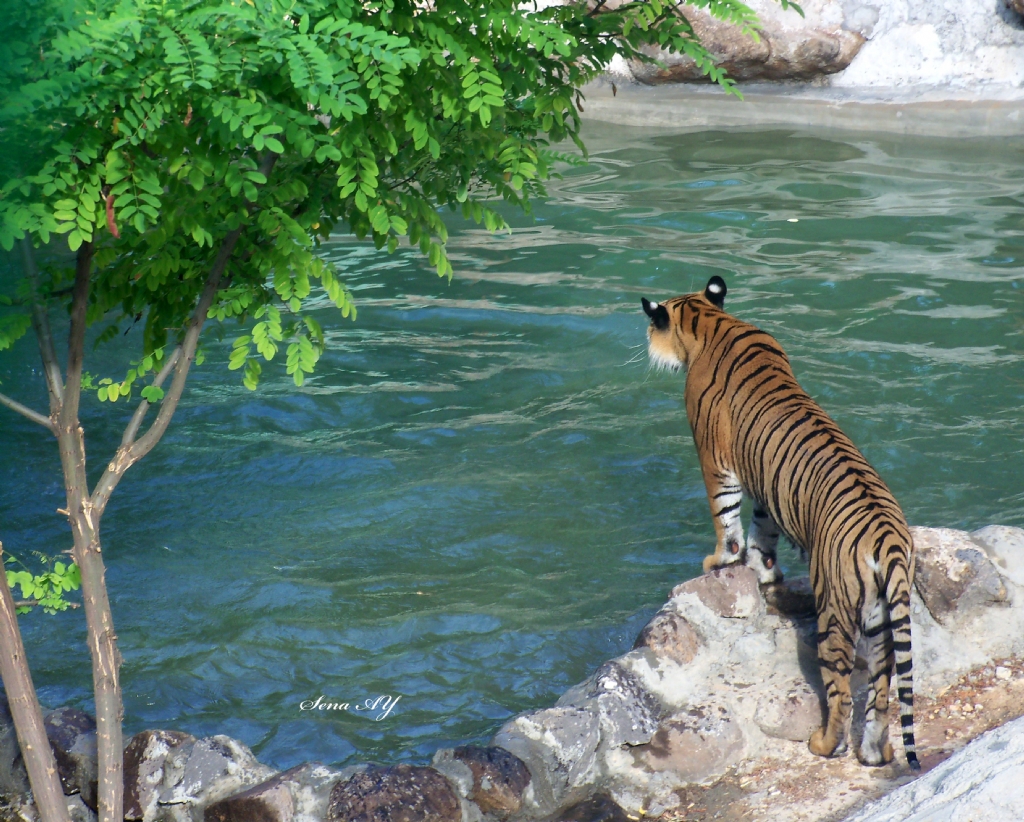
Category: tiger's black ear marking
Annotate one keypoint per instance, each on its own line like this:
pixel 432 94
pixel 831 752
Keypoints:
pixel 715 291
pixel 658 313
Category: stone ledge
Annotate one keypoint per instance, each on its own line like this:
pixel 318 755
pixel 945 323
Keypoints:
pixel 922 111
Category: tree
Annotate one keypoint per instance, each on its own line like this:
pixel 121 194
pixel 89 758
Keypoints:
pixel 192 154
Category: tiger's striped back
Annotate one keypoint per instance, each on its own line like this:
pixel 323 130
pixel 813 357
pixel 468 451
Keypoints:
pixel 758 431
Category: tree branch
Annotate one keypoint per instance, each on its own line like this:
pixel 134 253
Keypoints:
pixel 169 404
pixel 115 470
pixel 31 603
pixel 41 325
pixel 132 449
pixel 76 339
pixel 28 413
pixel 140 413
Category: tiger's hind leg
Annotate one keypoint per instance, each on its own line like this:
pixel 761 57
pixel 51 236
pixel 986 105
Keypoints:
pixel 836 653
pixel 875 748
pixel 762 541
pixel 725 495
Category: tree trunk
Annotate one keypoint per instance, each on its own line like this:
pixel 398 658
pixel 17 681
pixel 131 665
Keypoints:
pixel 106 663
pixel 85 527
pixel 28 718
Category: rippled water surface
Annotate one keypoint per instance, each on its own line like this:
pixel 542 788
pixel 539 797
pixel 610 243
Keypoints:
pixel 484 492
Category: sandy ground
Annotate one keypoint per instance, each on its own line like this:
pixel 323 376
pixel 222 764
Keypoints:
pixel 793 785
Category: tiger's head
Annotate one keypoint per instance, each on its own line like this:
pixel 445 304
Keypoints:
pixel 673 335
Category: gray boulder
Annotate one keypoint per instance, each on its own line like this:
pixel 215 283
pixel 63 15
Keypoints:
pixel 145 759
pixel 670 636
pixel 72 735
pixel 791 710
pixel 13 778
pixel 559 747
pixel 300 794
pixel 787 46
pixel 172 776
pixel 697 745
pixel 954 575
pixel 1005 546
pixel 207 771
pixel 731 592
pixel 628 713
pixel 401 793
pixel 492 778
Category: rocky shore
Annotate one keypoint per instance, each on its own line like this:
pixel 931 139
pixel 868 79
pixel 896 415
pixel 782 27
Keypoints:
pixel 706 718
pixel 952 68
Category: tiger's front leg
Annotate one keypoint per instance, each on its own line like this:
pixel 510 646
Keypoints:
pixel 762 542
pixel 725 495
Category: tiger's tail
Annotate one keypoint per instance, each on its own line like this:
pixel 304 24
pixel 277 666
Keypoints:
pixel 898 595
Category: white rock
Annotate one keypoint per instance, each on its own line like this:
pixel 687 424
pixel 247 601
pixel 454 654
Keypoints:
pixel 953 43
pixel 983 781
pixel 1005 545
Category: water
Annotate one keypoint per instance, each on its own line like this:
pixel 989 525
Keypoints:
pixel 484 493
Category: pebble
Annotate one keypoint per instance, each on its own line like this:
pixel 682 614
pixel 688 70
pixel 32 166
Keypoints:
pixel 1002 673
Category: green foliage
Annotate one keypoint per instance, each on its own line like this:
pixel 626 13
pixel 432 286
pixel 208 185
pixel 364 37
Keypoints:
pixel 45 590
pixel 142 125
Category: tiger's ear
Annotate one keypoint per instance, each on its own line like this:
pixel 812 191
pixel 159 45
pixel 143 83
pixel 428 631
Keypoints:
pixel 715 291
pixel 657 313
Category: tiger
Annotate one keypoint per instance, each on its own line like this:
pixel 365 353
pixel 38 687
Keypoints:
pixel 759 434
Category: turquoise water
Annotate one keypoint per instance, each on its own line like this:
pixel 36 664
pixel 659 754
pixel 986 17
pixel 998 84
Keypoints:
pixel 484 493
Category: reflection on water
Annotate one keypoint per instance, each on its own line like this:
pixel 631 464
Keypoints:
pixel 484 492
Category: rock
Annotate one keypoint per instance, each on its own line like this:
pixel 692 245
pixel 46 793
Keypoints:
pixel 1016 5
pixel 600 808
pixel 72 735
pixel 301 794
pixel 628 714
pixel 788 47
pixel 269 801
pixel 559 747
pixel 790 711
pixel 210 769
pixel 401 793
pixel 145 758
pixel 13 778
pixel 983 780
pixel 496 780
pixel 78 810
pixel 954 575
pixel 729 592
pixel 792 598
pixel 924 43
pixel 1005 546
pixel 697 745
pixel 670 636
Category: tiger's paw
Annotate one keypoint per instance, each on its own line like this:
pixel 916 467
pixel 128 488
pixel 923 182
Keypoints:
pixel 873 756
pixel 731 554
pixel 820 746
pixel 765 566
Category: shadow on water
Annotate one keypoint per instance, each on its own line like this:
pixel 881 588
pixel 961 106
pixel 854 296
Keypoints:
pixel 484 493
